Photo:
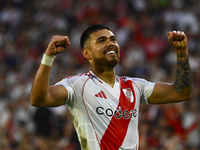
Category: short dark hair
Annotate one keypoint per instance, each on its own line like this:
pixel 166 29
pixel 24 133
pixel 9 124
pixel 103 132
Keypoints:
pixel 91 29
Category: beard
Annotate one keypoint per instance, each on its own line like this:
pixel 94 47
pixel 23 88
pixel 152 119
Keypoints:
pixel 107 63
pixel 104 61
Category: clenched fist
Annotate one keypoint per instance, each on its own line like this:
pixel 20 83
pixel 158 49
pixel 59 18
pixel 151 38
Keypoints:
pixel 57 45
pixel 177 39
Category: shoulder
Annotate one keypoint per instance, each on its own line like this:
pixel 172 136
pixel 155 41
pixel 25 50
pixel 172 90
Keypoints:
pixel 75 78
pixel 134 80
pixel 78 76
pixel 140 83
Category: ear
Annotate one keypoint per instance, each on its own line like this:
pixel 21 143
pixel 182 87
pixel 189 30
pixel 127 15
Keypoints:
pixel 87 53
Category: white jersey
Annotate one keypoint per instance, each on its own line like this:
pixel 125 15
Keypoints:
pixel 105 117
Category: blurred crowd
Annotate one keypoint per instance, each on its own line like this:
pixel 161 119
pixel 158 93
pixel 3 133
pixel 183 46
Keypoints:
pixel 26 27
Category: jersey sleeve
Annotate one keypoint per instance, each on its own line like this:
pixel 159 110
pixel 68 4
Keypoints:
pixel 69 87
pixel 146 89
pixel 73 85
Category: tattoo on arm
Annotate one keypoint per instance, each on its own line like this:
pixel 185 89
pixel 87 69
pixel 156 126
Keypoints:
pixel 183 77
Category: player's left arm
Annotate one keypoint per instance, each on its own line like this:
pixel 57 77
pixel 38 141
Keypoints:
pixel 181 89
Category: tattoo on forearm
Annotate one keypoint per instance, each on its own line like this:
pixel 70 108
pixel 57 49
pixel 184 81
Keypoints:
pixel 183 77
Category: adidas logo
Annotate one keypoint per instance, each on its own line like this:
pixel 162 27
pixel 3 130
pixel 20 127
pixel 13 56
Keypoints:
pixel 101 94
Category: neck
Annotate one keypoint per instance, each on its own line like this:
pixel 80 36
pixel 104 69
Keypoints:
pixel 106 74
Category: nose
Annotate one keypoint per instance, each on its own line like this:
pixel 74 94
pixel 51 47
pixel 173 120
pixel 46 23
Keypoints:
pixel 109 42
pixel 111 46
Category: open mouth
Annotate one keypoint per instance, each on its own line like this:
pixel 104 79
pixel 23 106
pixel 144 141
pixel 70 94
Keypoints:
pixel 111 52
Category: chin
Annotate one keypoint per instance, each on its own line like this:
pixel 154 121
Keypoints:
pixel 112 63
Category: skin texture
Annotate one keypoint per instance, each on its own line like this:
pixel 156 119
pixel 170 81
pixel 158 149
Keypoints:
pixel 103 65
pixel 181 89
pixel 43 95
pixel 95 50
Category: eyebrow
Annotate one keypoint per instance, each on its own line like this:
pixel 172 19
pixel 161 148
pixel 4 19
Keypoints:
pixel 104 37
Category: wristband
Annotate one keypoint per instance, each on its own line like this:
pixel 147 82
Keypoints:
pixel 47 60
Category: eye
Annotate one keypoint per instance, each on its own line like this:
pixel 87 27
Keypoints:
pixel 101 41
pixel 114 40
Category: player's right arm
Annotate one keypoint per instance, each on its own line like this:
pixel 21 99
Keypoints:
pixel 43 95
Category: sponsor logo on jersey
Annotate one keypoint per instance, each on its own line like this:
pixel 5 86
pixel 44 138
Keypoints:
pixel 118 113
pixel 101 94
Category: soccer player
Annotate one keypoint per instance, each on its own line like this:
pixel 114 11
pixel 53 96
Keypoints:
pixel 105 106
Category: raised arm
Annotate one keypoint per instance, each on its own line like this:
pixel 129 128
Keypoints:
pixel 43 95
pixel 181 89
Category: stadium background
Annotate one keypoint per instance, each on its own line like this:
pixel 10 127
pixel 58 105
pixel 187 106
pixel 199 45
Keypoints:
pixel 141 27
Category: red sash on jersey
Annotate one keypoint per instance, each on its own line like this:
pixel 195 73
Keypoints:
pixel 117 128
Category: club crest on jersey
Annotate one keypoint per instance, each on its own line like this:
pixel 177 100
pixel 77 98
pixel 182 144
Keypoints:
pixel 129 94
